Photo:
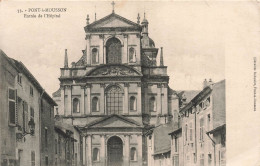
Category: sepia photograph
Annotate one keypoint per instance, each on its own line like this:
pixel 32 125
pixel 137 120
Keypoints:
pixel 128 83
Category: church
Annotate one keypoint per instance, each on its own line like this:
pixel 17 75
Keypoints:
pixel 115 92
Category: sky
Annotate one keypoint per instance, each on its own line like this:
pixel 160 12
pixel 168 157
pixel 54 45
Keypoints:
pixel 202 39
pixel 192 39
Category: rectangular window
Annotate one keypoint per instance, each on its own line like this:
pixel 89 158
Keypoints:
pixel 56 146
pixel 186 133
pixel 176 144
pixel 59 144
pixel 32 158
pixel 31 113
pixel 46 137
pixel 201 129
pixel 209 159
pixel 202 160
pixel 191 132
pixel 25 117
pixel 46 161
pixel 19 78
pixel 31 90
pixel 209 119
pixel 12 106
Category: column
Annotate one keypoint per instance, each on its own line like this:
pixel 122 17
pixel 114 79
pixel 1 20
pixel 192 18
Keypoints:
pixel 89 150
pixel 62 111
pixel 146 100
pixel 82 100
pixel 138 48
pixel 102 98
pixel 88 86
pixel 126 100
pixel 159 99
pixel 126 151
pixel 125 52
pixel 84 150
pixel 165 99
pixel 139 150
pixel 139 98
pixel 102 150
pixel 68 110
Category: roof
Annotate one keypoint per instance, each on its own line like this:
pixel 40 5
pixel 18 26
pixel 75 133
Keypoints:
pixel 187 95
pixel 112 21
pixel 175 131
pixel 162 140
pixel 22 68
pixel 222 127
pixel 57 93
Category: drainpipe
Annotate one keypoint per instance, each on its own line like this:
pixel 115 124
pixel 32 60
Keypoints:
pixel 40 106
pixel 214 145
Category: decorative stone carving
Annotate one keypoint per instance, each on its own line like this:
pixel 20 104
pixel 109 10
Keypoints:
pixel 159 85
pixel 138 35
pixel 139 84
pixel 114 71
pixel 125 35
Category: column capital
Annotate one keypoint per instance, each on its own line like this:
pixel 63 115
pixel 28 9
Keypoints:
pixel 67 86
pixel 159 85
pixel 101 36
pixel 139 84
pixel 62 87
pixel 138 35
pixel 88 36
pixel 126 84
pixel 102 85
pixel 82 86
pixel 88 85
pixel 165 85
pixel 145 85
pixel 125 35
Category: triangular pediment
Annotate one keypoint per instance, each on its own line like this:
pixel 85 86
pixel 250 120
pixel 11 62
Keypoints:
pixel 114 121
pixel 113 21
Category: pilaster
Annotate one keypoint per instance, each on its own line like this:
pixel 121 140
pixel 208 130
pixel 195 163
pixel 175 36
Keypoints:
pixel 89 150
pixel 62 104
pixel 102 150
pixel 139 149
pixel 139 99
pixel 82 100
pixel 125 52
pixel 102 98
pixel 126 100
pixel 68 109
pixel 126 150
pixel 88 89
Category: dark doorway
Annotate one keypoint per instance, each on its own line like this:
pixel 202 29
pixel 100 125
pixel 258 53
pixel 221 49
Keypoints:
pixel 115 151
pixel 114 51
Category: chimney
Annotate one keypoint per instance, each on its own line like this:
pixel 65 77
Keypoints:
pixel 205 83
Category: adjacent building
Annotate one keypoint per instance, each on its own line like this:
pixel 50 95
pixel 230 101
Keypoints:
pixel 26 109
pixel 199 139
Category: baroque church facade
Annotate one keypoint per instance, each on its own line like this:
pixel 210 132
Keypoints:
pixel 115 92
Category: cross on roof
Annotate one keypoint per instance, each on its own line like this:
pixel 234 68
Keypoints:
pixel 113 5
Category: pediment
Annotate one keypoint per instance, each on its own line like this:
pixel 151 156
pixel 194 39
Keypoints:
pixel 114 121
pixel 113 70
pixel 112 21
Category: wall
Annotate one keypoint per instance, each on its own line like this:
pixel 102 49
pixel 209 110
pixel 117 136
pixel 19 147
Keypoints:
pixel 7 133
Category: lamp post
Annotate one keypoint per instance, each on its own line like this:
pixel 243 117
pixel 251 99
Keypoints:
pixel 31 125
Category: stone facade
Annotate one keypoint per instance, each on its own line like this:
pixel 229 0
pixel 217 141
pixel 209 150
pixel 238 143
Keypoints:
pixel 115 92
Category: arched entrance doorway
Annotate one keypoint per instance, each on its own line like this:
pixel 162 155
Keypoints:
pixel 114 51
pixel 115 151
